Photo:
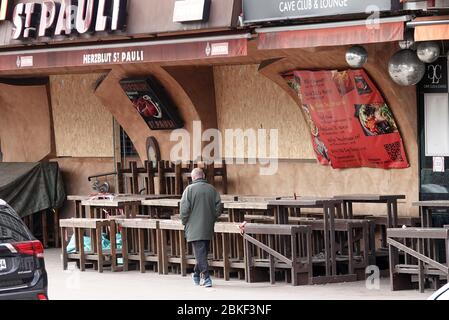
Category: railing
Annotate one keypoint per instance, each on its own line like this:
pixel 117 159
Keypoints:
pixel 419 257
pixel 102 175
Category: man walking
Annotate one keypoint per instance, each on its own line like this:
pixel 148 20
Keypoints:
pixel 200 209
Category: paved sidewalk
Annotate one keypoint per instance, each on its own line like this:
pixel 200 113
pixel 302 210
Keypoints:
pixel 90 285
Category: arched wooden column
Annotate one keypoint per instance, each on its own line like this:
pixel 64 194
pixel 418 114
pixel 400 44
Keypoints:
pixel 190 88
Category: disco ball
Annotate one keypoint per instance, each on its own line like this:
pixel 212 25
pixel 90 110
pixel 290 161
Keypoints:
pixel 405 68
pixel 356 56
pixel 428 51
pixel 409 41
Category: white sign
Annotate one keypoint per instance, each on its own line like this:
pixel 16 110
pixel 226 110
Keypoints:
pixel 48 19
pixel 220 49
pixel 25 61
pixel 273 10
pixel 113 57
pixel 191 10
pixel 438 164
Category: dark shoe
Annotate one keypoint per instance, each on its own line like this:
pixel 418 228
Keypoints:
pixel 196 279
pixel 207 282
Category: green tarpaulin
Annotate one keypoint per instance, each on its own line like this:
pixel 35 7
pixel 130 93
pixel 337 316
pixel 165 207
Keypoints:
pixel 31 187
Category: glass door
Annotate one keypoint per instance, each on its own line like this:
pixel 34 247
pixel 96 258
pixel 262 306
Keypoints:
pixel 433 103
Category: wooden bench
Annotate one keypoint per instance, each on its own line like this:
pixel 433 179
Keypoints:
pixel 295 255
pixel 161 208
pixel 352 248
pixel 146 247
pixel 173 247
pixel 249 255
pixel 96 255
pixel 423 262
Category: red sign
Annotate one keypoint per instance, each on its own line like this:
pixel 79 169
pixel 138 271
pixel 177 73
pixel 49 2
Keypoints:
pixel 152 102
pixel 350 123
pixel 122 53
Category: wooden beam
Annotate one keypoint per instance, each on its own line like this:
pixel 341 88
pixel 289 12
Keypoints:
pixel 418 255
pixel 268 249
pixel 416 233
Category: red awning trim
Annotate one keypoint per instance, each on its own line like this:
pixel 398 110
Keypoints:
pixel 431 28
pixel 335 36
pixel 123 53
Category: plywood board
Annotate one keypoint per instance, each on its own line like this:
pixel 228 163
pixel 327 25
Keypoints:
pixel 83 126
pixel 248 100
pixel 25 131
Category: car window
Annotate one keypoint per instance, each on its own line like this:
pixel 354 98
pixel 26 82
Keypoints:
pixel 12 228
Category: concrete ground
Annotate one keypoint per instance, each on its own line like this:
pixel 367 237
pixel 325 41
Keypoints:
pixel 90 285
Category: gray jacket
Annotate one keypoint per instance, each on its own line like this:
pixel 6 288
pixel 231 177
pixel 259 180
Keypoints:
pixel 200 209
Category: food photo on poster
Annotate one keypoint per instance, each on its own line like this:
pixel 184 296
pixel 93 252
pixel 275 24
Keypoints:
pixel 351 124
pixel 152 103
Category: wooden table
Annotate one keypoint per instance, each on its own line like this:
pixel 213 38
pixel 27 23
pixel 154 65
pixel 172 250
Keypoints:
pixel 80 211
pixel 390 200
pixel 157 207
pixel 237 209
pixel 426 208
pixel 229 197
pixel 257 198
pixel 331 208
pixel 118 206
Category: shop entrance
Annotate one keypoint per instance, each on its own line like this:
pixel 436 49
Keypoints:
pixel 434 132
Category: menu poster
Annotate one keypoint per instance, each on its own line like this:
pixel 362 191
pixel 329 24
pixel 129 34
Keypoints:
pixel 350 123
pixel 152 103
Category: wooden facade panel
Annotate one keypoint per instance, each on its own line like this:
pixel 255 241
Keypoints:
pixel 83 126
pixel 241 108
pixel 25 123
pixel 247 100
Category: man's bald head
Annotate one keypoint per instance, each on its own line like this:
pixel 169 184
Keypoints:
pixel 198 174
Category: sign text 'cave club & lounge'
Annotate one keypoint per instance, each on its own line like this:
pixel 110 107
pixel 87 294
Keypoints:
pixel 274 10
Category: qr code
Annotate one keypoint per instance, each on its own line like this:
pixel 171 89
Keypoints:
pixel 394 151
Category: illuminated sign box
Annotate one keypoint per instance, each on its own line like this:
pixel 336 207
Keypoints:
pixel 276 10
pixel 191 10
pixel 34 20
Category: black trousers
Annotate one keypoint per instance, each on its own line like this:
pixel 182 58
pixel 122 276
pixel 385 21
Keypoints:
pixel 201 250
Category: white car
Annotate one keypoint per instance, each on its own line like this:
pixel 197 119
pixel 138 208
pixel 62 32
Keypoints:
pixel 442 294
